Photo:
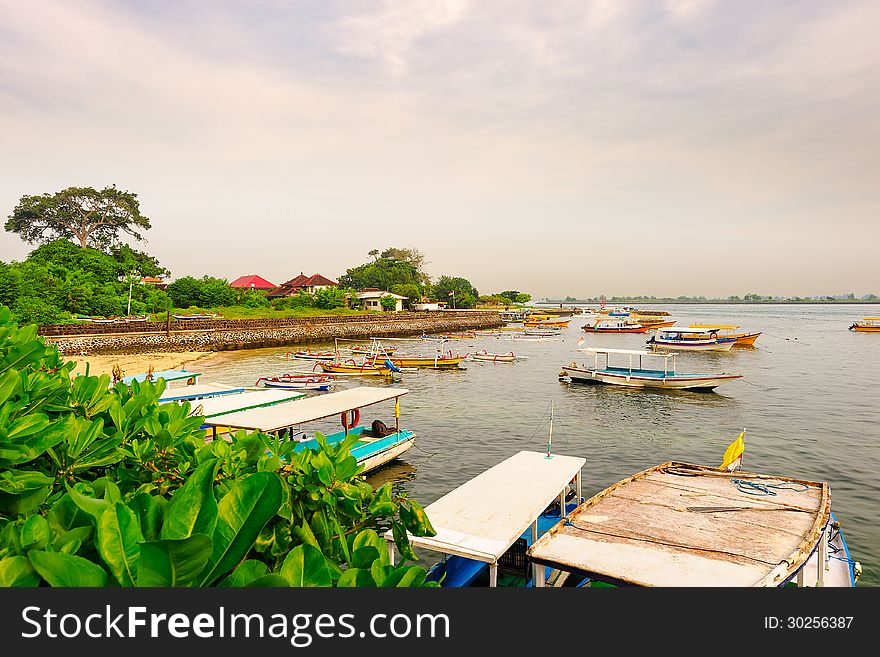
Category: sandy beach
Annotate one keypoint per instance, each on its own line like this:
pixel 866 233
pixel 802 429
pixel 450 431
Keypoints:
pixel 138 363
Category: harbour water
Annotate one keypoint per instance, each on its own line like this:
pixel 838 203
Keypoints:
pixel 809 401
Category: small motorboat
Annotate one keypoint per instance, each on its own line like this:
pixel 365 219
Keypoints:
pixel 697 340
pixel 739 339
pixel 614 326
pixel 509 357
pixel 297 381
pixel 868 324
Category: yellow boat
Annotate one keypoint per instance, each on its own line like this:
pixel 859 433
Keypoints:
pixel 547 322
pixel 867 324
pixel 365 369
pixel 433 362
pixel 654 322
pixel 740 339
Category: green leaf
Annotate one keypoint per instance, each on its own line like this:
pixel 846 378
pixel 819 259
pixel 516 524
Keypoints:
pixel 59 569
pixel 71 541
pixel 90 505
pixel 193 509
pixel 364 557
pixel 17 571
pixel 35 533
pixel 305 565
pixel 118 543
pixel 248 571
pixel 357 577
pixel 369 538
pixel 271 580
pixel 173 562
pixel 242 513
pixel 64 515
pixel 404 577
pixel 24 502
pixel 149 515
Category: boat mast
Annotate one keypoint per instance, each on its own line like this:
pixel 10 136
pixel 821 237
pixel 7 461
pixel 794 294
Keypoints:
pixel 550 437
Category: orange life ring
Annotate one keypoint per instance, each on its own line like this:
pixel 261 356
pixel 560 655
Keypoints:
pixel 355 418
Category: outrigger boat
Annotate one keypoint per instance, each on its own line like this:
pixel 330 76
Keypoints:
pixel 375 445
pixel 614 326
pixel 739 339
pixel 217 406
pixel 678 524
pixel 866 324
pixel 365 368
pixel 311 355
pixel 561 323
pixel 439 361
pixel 653 322
pixel 485 525
pixel 509 357
pixel 298 381
pixel 368 349
pixel 196 316
pixel 548 331
pixel 701 340
pixel 639 377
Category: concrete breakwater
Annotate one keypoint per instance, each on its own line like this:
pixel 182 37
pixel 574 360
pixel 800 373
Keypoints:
pixel 225 335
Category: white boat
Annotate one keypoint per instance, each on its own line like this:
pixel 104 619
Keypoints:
pixel 197 391
pixel 637 376
pixel 509 357
pixel 681 525
pixel 670 338
pixel 298 381
pixel 371 450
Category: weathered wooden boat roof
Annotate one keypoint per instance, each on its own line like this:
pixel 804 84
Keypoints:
pixel 728 327
pixel 168 375
pixel 484 516
pixel 678 524
pixel 631 352
pixel 281 416
pixel 197 390
pixel 215 406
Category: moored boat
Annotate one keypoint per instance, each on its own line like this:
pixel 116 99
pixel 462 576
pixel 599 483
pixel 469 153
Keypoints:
pixel 726 331
pixel 868 324
pixel 440 361
pixel 196 316
pixel 614 326
pixel 364 368
pixel 561 323
pixel 679 524
pixel 297 381
pixel 634 375
pixel 699 340
pixel 509 357
pixel 311 355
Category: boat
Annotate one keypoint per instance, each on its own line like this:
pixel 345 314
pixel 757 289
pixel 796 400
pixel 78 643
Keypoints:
pixel 311 355
pixel 218 406
pixel 440 361
pixel 350 366
pixel 171 377
pixel 700 340
pixel 196 391
pixel 374 446
pixel 546 332
pixel 560 323
pixel 635 376
pixel 653 322
pixel 298 381
pixel 196 316
pixel 369 349
pixel 485 525
pixel 739 339
pixel 97 320
pixel 868 324
pixel 679 524
pixel 509 357
pixel 614 326
pixel 495 332
pixel 134 318
pixel 533 338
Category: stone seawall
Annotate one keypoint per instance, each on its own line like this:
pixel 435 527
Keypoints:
pixel 247 335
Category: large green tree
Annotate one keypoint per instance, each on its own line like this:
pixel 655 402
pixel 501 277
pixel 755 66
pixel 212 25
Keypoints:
pixel 383 274
pixel 84 214
pixel 465 294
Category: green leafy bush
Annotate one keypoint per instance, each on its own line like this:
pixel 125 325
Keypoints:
pixel 105 486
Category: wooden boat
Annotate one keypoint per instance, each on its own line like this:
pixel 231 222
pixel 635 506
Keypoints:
pixel 298 381
pixel 509 357
pixel 312 355
pixel 225 405
pixel 636 376
pixel 739 339
pixel 439 361
pixel 489 332
pixel 653 323
pixel 614 326
pixel 371 449
pixel 196 316
pixel 485 525
pixel 868 324
pixel 546 332
pixel 672 339
pixel 369 349
pixel 562 323
pixel 97 320
pixel 678 524
pixel 349 366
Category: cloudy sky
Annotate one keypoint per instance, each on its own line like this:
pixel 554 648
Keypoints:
pixel 565 147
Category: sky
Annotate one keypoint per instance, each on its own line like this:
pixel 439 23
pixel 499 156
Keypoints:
pixel 583 147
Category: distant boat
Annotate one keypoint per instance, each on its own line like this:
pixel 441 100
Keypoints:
pixel 134 318
pixel 197 316
pixel 543 331
pixel 696 340
pixel 869 324
pixel 297 381
pixel 509 357
pixel 562 323
pixel 634 375
pixel 312 355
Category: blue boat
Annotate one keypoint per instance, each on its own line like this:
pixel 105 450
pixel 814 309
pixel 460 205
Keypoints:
pixel 375 446
pixel 485 526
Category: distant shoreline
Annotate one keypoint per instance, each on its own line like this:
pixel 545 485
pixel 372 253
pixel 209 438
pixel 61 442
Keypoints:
pixel 856 302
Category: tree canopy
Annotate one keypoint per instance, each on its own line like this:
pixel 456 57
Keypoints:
pixel 88 216
pixel 466 294
pixel 383 273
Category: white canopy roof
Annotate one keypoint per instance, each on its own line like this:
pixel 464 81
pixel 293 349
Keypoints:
pixel 215 406
pixel 631 352
pixel 483 517
pixel 689 330
pixel 168 375
pixel 197 390
pixel 282 416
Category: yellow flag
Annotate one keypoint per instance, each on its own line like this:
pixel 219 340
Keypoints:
pixel 733 454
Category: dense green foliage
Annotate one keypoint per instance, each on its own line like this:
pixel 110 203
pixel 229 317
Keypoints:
pixel 104 485
pixel 382 274
pixel 466 294
pixel 204 292
pixel 60 278
pixel 91 217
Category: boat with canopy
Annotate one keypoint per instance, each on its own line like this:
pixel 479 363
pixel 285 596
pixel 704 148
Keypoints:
pixel 180 377
pixel 679 524
pixel 375 445
pixel 217 406
pixel 727 331
pixel 485 525
pixel 706 339
pixel 636 376
pixel 602 325
pixel 198 391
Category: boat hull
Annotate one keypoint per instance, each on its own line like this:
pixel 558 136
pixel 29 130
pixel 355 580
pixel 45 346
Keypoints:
pixel 297 385
pixel 364 370
pixel 625 329
pixel 495 358
pixel 865 329
pixel 685 345
pixel 425 362
pixel 369 452
pixel 621 377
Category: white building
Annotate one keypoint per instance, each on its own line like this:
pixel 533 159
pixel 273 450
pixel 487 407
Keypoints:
pixel 372 299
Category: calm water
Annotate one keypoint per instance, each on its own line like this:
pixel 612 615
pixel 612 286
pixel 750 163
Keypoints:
pixel 810 404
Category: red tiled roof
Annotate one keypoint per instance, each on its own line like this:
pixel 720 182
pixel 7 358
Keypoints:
pixel 294 285
pixel 253 281
pixel 296 281
pixel 317 279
